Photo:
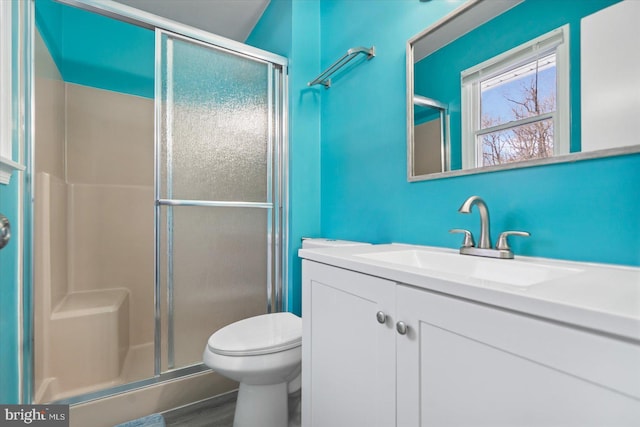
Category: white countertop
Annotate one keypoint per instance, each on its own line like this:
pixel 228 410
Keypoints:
pixel 602 297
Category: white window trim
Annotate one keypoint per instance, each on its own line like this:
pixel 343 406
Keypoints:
pixel 7 165
pixel 470 83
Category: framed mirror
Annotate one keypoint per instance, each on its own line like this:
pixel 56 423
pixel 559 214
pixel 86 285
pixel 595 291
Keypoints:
pixel 522 83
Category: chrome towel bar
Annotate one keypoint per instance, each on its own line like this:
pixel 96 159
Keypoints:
pixel 325 77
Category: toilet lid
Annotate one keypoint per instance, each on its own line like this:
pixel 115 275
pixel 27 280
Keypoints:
pixel 267 333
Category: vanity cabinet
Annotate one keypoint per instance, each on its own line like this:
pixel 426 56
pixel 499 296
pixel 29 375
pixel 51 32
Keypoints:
pixel 459 363
pixel 469 364
pixel 348 356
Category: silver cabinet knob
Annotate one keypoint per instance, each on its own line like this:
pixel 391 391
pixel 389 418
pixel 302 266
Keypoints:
pixel 5 231
pixel 382 318
pixel 402 328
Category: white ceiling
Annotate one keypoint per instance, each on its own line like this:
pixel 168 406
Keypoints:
pixel 233 19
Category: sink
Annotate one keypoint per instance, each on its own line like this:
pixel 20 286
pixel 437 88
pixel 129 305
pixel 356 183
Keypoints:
pixel 509 272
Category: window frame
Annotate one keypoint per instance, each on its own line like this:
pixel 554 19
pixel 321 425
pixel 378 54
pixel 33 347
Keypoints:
pixel 556 41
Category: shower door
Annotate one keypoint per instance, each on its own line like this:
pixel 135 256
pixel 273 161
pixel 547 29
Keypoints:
pixel 218 193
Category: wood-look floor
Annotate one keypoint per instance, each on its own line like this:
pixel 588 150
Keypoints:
pixel 218 412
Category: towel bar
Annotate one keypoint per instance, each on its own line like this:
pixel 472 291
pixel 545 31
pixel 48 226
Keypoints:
pixel 325 77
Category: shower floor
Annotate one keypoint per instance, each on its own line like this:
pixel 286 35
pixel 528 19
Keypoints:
pixel 138 365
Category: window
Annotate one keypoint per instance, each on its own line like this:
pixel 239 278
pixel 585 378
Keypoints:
pixel 515 106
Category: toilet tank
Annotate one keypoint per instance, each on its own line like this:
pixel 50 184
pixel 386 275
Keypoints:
pixel 308 243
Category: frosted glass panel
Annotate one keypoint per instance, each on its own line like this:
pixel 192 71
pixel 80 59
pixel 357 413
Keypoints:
pixel 219 272
pixel 218 149
pixel 215 124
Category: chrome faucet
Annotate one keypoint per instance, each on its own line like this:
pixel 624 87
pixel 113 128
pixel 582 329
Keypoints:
pixel 485 234
pixel 484 248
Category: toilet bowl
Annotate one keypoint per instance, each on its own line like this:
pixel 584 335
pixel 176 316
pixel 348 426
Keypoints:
pixel 263 353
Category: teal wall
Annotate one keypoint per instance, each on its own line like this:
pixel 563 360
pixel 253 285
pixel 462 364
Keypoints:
pixel 97 51
pixel 273 32
pixel 295 28
pixel 438 75
pixel 292 28
pixel 9 314
pixel 9 270
pixel 583 211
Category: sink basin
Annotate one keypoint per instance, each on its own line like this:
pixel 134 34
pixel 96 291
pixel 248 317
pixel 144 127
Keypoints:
pixel 509 272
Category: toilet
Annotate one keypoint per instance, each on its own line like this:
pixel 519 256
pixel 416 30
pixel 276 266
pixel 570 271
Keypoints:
pixel 263 354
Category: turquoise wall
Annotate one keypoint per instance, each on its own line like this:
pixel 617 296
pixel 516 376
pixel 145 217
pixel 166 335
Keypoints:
pixel 438 75
pixel 292 28
pixel 9 269
pixel 274 29
pixel 583 211
pixel 9 303
pixel 97 51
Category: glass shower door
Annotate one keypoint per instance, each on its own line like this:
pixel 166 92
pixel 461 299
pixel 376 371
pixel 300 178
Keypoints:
pixel 217 194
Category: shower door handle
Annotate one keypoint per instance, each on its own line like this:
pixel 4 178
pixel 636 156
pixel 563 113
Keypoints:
pixel 5 231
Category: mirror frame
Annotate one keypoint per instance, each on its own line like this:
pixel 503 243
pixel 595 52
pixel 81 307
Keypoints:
pixel 460 21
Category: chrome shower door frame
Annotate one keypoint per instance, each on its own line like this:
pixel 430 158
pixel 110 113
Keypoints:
pixel 274 190
pixel 278 188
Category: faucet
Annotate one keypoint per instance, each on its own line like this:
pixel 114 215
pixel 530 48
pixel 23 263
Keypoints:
pixel 502 249
pixel 485 234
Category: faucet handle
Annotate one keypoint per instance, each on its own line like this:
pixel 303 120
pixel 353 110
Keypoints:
pixel 468 237
pixel 503 245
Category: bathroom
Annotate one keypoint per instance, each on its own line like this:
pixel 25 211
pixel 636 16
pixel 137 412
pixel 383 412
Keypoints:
pixel 347 171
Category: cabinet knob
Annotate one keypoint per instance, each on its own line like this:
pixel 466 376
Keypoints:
pixel 402 328
pixel 382 318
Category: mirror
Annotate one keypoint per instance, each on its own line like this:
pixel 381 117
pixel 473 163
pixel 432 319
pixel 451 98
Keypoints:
pixel 591 115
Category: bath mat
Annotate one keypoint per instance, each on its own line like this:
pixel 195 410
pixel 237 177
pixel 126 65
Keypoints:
pixel 153 420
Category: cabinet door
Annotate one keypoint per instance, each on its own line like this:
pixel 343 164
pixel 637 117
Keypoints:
pixel 348 357
pixel 467 364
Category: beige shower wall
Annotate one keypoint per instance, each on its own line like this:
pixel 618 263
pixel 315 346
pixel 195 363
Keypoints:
pixel 110 176
pixel 49 155
pixel 50 252
pixel 49 112
pixel 109 138
pixel 97 148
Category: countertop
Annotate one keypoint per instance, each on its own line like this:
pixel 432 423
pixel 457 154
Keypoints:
pixel 600 297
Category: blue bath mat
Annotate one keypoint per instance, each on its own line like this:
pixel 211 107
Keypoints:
pixel 153 420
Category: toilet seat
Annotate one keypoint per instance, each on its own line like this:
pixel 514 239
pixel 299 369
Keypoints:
pixel 267 333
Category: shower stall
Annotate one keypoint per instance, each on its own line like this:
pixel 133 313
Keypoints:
pixel 158 177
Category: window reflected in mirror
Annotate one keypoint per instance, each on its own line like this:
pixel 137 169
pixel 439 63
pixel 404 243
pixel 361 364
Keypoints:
pixel 512 104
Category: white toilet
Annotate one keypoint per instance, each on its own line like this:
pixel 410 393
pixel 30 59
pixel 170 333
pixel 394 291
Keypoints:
pixel 263 354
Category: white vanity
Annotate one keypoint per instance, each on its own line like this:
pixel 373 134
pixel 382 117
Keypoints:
pixel 402 335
